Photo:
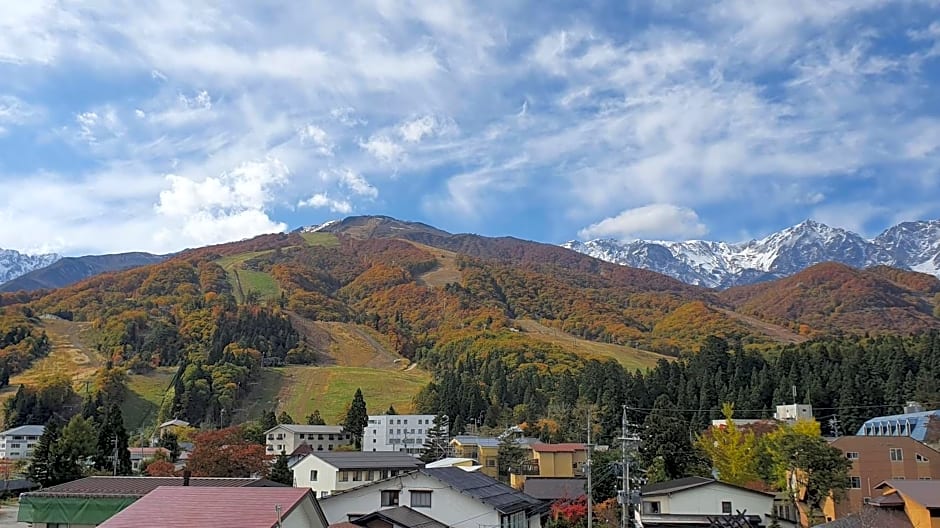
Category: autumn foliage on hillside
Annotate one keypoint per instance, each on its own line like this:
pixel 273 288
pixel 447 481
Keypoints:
pixel 833 297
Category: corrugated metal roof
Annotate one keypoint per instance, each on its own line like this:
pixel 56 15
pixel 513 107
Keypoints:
pixel 671 486
pixel 401 516
pixel 316 429
pixel 485 489
pixel 553 488
pixel 914 425
pixel 140 486
pixel 924 492
pixel 558 448
pixel 368 460
pixel 178 507
pixel 25 430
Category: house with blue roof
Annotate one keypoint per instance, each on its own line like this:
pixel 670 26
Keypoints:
pixel 923 426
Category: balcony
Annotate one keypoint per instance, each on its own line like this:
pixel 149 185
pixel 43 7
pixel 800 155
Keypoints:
pixel 529 468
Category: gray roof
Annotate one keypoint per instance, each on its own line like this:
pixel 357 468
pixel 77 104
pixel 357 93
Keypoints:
pixel 140 486
pixel 924 492
pixel 673 486
pixel 316 429
pixel 870 517
pixel 485 489
pixel 554 488
pixel 368 460
pixel 401 516
pixel 25 430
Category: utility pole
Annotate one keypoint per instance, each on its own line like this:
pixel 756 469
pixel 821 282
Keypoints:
pixel 625 499
pixel 590 490
pixel 115 462
pixel 834 424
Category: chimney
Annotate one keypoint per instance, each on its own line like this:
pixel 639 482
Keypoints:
pixel 186 474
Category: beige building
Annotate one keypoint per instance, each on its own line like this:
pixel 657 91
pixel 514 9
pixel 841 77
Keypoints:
pixel 287 437
pixel 552 461
pixel 876 459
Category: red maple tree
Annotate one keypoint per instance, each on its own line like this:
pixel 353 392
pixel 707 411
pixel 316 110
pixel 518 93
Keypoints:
pixel 226 453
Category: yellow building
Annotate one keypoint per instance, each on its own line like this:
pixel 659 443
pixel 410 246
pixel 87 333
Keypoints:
pixel 482 449
pixel 919 500
pixel 552 461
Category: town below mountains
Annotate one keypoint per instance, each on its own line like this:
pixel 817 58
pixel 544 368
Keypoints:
pixel 505 360
pixel 910 245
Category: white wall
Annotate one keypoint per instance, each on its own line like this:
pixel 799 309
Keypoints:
pixel 448 506
pixel 304 516
pixel 326 475
pixel 706 500
pixel 399 432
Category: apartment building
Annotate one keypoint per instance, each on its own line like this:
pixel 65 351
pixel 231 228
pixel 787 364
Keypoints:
pixel 403 433
pixel 18 443
pixel 876 459
pixel 288 437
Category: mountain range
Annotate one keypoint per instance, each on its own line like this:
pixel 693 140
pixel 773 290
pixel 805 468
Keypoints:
pixel 911 246
pixel 65 271
pixel 14 264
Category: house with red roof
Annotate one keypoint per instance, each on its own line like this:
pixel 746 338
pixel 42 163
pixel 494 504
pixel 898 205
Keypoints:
pixel 197 507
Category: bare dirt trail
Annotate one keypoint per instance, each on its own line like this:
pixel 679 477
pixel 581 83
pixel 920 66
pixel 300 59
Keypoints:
pixel 345 344
pixel 775 331
pixel 446 272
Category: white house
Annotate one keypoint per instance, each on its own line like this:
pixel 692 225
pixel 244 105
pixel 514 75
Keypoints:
pixel 397 432
pixel 450 496
pixel 690 501
pixel 18 443
pixel 286 437
pixel 329 472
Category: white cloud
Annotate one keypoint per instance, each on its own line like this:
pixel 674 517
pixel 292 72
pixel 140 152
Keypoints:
pixel 318 138
pixel 347 116
pixel 230 206
pixel 14 112
pixel 383 149
pixel 357 184
pixel 658 221
pixel 413 131
pixel 98 125
pixel 321 200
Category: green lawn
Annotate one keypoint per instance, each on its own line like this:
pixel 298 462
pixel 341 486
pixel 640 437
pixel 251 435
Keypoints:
pixel 301 389
pixel 320 239
pixel 245 280
pixel 145 394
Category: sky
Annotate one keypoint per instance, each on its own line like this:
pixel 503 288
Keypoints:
pixel 169 124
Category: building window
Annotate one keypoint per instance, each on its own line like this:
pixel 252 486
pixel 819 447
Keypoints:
pixel 390 498
pixel 490 462
pixel 420 499
pixel 866 500
pixel 343 476
pixel 855 482
pixel 924 478
pixel 313 475
pixel 514 520
pixel 921 458
pixel 726 507
pixel 896 454
pixel 329 447
pixel 651 507
pixel 357 476
pixel 898 478
pixel 851 455
pixel 301 436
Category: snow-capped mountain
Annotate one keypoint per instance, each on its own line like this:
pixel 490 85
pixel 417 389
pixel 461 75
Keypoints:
pixel 14 264
pixel 910 245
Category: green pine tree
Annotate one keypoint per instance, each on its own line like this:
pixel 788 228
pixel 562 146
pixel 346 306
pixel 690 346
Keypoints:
pixel 509 457
pixel 285 418
pixel 268 420
pixel 391 411
pixel 315 419
pixel 437 442
pixel 666 436
pixel 357 418
pixel 113 439
pixel 42 468
pixel 170 442
pixel 280 472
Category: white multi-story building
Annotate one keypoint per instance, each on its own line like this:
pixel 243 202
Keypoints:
pixel 404 433
pixel 18 443
pixel 287 437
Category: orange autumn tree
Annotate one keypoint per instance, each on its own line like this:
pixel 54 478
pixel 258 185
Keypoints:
pixel 227 453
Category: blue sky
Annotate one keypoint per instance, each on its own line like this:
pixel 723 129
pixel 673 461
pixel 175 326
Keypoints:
pixel 172 123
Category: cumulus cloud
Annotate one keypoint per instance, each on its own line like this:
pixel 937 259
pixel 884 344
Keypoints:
pixel 321 200
pixel 657 221
pixel 317 138
pixel 383 149
pixel 414 130
pixel 230 206
pixel 98 125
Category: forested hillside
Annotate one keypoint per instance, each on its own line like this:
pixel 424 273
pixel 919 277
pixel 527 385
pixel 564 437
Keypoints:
pixel 460 306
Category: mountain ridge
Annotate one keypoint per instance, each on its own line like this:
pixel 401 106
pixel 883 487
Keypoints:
pixel 15 264
pixel 913 246
pixel 66 271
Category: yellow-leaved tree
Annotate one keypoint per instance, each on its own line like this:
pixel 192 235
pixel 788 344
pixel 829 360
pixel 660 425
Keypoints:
pixel 732 451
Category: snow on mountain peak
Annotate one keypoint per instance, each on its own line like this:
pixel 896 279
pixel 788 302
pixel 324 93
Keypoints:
pixel 14 264
pixel 910 245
